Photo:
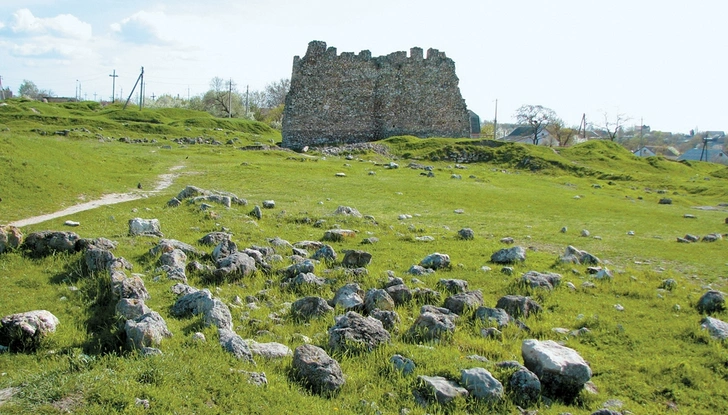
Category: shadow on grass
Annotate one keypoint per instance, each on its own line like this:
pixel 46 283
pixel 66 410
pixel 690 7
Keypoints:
pixel 195 325
pixel 73 271
pixel 104 328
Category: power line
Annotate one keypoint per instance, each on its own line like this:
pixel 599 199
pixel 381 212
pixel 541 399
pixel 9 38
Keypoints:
pixel 164 82
pixel 95 78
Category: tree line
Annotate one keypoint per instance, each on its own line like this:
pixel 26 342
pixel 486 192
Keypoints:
pixel 541 121
pixel 225 100
pixel 28 89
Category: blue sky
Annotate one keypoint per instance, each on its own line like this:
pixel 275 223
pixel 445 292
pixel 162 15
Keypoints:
pixel 663 62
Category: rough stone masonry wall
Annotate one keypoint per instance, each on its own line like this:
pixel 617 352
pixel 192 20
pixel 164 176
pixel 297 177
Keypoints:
pixel 352 98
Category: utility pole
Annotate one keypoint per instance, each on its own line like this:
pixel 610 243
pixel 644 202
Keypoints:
pixel 141 91
pixel 230 98
pixel 76 96
pixel 94 96
pixel 113 86
pixel 704 152
pixel 2 90
pixel 141 98
pixel 641 126
pixel 495 121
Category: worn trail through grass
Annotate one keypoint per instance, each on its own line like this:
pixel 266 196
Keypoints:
pixel 163 182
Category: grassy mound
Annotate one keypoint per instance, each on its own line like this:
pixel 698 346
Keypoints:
pixel 23 115
pixel 245 126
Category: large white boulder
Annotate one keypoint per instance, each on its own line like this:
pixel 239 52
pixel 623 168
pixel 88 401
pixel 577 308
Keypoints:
pixel 562 371
pixel 24 331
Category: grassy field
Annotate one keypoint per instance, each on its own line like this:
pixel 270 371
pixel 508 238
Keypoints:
pixel 651 356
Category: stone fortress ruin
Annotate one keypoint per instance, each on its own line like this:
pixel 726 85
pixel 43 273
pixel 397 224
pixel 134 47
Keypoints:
pixel 349 98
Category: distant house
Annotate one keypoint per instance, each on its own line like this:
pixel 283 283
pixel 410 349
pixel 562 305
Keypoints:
pixel 644 152
pixel 716 137
pixel 638 129
pixel 715 134
pixel 713 155
pixel 668 152
pixel 584 136
pixel 524 134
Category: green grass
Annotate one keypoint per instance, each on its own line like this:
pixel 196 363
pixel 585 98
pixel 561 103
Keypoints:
pixel 646 356
pixel 43 171
pixel 90 120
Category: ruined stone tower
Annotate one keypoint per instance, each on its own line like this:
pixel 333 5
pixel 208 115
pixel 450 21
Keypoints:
pixel 350 98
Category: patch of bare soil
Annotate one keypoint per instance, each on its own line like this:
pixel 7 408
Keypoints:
pixel 7 394
pixel 68 403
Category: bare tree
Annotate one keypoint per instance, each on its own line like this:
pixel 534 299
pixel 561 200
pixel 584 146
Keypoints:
pixel 275 92
pixel 563 135
pixel 256 100
pixel 613 124
pixel 537 117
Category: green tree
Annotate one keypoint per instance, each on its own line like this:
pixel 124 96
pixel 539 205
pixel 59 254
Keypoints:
pixel 167 101
pixel 486 130
pixel 273 116
pixel 195 103
pixel 537 117
pixel 28 89
pixel 223 99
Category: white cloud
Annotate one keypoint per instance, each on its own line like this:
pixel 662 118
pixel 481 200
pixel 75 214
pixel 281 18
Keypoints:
pixel 25 22
pixel 63 25
pixel 144 28
pixel 41 50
